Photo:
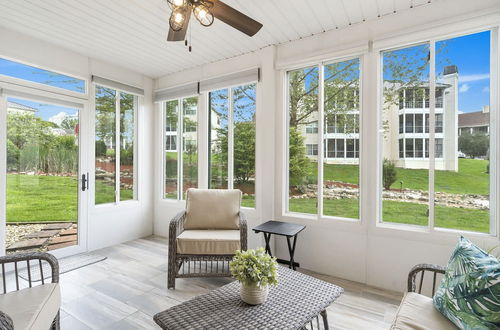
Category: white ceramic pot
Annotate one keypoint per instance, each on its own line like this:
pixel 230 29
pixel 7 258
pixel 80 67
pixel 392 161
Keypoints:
pixel 253 295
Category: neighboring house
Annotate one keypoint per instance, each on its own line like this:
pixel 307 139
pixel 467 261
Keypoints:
pixel 189 134
pixel 474 122
pixel 406 123
pixel 17 108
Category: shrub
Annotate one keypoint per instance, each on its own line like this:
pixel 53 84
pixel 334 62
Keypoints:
pixel 12 156
pixel 254 268
pixel 110 153
pixel 100 148
pixel 299 166
pixel 390 174
pixel 474 145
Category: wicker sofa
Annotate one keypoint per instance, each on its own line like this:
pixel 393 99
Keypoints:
pixel 31 304
pixel 416 310
pixel 203 238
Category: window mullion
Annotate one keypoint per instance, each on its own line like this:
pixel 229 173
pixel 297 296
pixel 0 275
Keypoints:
pixel 432 129
pixel 321 105
pixel 180 148
pixel 117 147
pixel 230 139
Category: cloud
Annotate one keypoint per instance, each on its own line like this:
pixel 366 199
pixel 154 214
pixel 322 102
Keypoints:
pixel 486 89
pixel 473 77
pixel 58 119
pixel 464 88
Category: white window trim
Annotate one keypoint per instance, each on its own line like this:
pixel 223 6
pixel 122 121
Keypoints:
pixel 285 211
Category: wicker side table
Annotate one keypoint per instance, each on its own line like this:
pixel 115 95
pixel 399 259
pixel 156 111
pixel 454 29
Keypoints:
pixel 296 302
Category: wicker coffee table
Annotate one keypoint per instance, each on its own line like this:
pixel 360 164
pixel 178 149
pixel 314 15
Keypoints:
pixel 297 301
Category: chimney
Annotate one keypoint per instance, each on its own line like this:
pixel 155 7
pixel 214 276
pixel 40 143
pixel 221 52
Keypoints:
pixel 450 69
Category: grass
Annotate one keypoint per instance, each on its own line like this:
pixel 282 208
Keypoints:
pixel 401 212
pixel 32 198
pixel 471 177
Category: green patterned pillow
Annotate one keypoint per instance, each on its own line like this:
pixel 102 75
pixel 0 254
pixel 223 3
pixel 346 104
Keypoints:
pixel 469 294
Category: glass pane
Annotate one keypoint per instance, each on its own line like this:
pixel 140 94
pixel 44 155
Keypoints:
pixel 30 73
pixel 171 117
pixel 42 173
pixel 105 148
pixel 219 112
pixel 244 107
pixel 302 168
pixel 462 174
pixel 127 139
pixel 190 140
pixel 405 179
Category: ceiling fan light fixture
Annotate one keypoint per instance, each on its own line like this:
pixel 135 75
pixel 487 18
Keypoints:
pixel 203 15
pixel 177 19
pixel 176 3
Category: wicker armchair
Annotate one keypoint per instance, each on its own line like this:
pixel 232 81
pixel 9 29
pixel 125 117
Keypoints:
pixel 32 265
pixel 201 263
pixel 422 269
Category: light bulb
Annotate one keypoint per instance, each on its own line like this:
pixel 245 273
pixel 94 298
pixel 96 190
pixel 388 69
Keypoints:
pixel 178 18
pixel 203 15
pixel 178 3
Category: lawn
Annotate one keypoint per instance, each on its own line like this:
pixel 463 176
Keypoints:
pixel 471 177
pixel 401 212
pixel 49 198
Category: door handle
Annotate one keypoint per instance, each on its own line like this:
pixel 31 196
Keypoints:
pixel 85 181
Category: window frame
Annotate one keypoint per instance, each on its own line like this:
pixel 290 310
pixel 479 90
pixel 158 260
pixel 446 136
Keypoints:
pixel 179 144
pixel 135 198
pixel 285 210
pixel 230 138
pixel 494 189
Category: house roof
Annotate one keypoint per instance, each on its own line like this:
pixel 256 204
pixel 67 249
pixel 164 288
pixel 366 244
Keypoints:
pixel 19 106
pixel 473 119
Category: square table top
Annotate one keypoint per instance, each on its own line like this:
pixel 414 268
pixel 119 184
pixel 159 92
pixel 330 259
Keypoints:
pixel 279 228
pixel 294 302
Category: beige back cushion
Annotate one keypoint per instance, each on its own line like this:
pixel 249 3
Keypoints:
pixel 212 209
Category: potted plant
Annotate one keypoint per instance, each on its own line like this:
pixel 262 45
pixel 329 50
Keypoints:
pixel 256 271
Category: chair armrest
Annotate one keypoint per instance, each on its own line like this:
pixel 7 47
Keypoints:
pixel 243 231
pixel 175 228
pixel 28 257
pixel 6 322
pixel 422 268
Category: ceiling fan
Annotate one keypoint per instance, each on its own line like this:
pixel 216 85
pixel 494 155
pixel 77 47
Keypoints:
pixel 205 11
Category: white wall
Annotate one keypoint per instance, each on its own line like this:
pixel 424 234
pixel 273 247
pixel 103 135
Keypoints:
pixel 110 224
pixel 362 251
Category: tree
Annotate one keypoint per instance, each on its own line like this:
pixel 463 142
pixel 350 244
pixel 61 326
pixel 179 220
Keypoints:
pixel 299 165
pixel 474 145
pixel 69 125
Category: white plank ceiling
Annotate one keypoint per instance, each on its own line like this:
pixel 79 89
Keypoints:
pixel 132 33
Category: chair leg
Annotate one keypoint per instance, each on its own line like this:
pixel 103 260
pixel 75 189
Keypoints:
pixel 56 324
pixel 172 273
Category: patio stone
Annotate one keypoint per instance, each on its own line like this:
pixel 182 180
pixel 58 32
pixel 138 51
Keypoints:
pixel 63 239
pixel 43 234
pixel 60 246
pixel 28 244
pixel 54 226
pixel 69 232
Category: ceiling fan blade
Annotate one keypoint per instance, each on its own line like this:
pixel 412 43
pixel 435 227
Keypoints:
pixel 236 19
pixel 181 34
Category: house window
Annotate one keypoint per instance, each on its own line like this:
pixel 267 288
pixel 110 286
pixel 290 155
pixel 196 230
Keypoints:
pixel 41 76
pixel 339 136
pixel 312 128
pixel 181 159
pixel 312 149
pixel 232 140
pixel 401 123
pixel 115 146
pixel 434 157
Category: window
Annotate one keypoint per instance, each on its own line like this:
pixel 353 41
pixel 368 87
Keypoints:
pixel 312 149
pixel 401 123
pixel 41 76
pixel 453 181
pixel 312 128
pixel 115 147
pixel 181 161
pixel 409 123
pixel 339 136
pixel 232 140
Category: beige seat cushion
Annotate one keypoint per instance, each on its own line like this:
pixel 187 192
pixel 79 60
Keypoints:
pixel 212 209
pixel 417 312
pixel 211 242
pixel 32 308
